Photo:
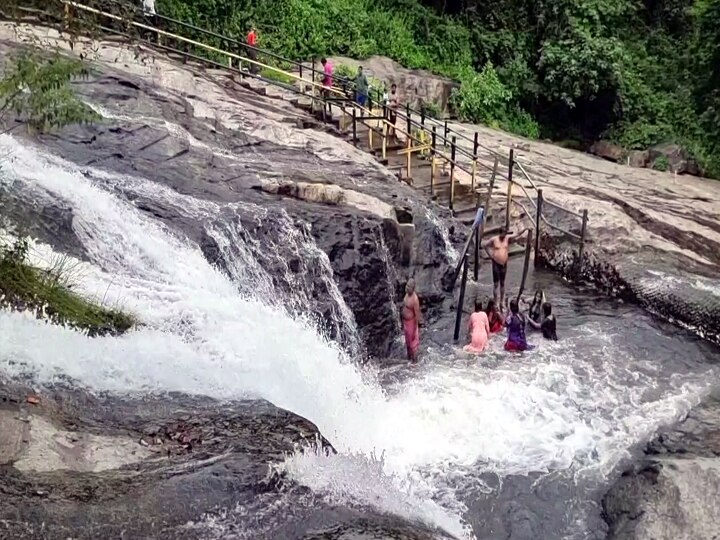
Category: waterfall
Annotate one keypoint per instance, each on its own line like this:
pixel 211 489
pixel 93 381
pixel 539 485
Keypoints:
pixel 414 450
pixel 392 277
pixel 450 252
pixel 301 280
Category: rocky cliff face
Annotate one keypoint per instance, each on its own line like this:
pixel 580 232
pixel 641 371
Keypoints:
pixel 363 231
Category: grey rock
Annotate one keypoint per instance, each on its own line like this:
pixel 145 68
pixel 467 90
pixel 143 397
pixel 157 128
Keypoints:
pixel 677 158
pixel 675 492
pixel 415 87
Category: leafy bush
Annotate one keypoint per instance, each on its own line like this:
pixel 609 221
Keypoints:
pixel 637 72
pixel 521 122
pixel 661 164
pixel 38 90
pixel 433 110
pixel 482 97
pixel 274 75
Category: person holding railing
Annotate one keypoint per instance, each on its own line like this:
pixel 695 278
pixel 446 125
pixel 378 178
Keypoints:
pixel 393 105
pixel 361 87
pixel 499 255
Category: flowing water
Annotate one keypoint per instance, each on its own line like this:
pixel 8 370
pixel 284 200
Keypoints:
pixel 441 443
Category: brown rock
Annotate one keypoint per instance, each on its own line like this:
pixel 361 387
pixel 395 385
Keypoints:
pixel 638 158
pixel 414 86
pixel 607 150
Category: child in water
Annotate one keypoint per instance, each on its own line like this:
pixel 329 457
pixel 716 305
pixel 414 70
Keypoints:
pixel 495 319
pixel 536 305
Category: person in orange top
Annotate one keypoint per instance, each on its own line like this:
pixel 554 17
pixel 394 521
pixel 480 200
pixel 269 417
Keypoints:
pixel 495 319
pixel 251 40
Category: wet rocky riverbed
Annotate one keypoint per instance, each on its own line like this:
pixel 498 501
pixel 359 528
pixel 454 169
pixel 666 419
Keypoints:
pixel 511 447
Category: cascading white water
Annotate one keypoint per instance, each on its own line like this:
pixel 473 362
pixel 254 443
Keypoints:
pixel 286 246
pixel 392 277
pixel 444 425
pixel 450 250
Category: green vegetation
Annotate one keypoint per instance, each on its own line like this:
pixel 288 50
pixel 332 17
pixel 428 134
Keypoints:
pixel 661 164
pixel 48 292
pixel 637 72
pixel 278 76
pixel 37 90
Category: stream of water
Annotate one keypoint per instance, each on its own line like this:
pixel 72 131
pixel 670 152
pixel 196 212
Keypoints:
pixel 422 446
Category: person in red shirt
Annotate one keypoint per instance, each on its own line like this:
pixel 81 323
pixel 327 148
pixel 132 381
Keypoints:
pixel 251 51
pixel 495 319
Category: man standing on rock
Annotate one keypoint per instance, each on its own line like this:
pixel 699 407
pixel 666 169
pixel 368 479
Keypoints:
pixel 499 255
pixel 411 320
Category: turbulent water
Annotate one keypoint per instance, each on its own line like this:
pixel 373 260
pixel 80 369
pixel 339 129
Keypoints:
pixel 430 445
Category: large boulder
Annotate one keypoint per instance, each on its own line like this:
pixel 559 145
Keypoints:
pixel 673 158
pixel 415 86
pixel 674 493
pixel 608 150
pixel 638 158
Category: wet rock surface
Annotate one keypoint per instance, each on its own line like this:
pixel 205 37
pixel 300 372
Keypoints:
pixel 674 493
pixel 191 457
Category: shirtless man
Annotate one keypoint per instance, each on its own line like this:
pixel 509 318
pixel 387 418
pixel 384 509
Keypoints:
pixel 411 320
pixel 499 256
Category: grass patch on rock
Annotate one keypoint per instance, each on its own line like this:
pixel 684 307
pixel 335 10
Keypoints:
pixel 47 293
pixel 278 76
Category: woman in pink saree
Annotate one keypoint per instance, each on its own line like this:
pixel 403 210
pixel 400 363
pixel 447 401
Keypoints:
pixel 479 331
pixel 411 320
